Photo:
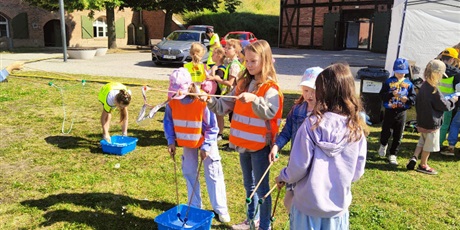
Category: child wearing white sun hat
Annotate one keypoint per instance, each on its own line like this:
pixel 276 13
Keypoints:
pixel 301 109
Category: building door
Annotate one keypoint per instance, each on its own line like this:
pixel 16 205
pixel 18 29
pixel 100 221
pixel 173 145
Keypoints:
pixel 52 34
pixel 330 29
pixel 352 37
pixel 358 34
pixel 131 34
pixel 381 31
pixel 356 29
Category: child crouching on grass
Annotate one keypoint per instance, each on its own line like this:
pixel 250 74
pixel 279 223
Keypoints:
pixel 430 106
pixel 328 154
pixel 193 126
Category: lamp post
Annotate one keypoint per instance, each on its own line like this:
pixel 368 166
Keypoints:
pixel 63 34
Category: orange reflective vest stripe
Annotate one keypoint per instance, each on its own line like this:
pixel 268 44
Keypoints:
pixel 196 71
pixel 187 120
pixel 247 130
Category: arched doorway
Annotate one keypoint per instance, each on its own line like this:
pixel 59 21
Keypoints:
pixel 52 34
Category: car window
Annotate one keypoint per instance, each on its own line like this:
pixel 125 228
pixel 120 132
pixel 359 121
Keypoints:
pixel 234 36
pixel 184 36
pixel 173 36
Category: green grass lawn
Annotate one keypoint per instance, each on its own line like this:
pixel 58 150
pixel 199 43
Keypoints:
pixel 51 180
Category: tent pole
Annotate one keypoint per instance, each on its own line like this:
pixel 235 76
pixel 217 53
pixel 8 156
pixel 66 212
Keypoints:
pixel 402 28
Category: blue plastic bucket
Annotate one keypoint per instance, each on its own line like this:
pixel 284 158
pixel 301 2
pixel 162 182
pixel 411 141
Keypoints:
pixel 120 145
pixel 197 218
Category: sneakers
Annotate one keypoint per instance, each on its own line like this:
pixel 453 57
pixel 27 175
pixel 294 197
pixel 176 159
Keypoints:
pixel 449 151
pixel 383 150
pixel 412 163
pixel 245 225
pixel 392 160
pixel 224 218
pixel 426 169
pixel 219 137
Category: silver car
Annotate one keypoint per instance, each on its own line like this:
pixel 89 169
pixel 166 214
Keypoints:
pixel 175 48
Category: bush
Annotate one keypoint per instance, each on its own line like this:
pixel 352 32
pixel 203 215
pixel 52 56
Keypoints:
pixel 263 26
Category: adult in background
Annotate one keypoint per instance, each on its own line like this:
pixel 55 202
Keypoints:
pixel 449 56
pixel 447 87
pixel 214 42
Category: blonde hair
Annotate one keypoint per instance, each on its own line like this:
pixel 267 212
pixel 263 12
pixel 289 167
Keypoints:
pixel 261 48
pixel 197 52
pixel 221 52
pixel 236 44
pixel 432 77
pixel 335 92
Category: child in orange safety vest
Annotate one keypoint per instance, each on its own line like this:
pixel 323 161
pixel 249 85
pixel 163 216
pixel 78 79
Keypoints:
pixel 190 124
pixel 257 112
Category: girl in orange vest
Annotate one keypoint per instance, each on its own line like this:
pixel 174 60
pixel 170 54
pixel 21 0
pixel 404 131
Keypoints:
pixel 190 124
pixel 256 117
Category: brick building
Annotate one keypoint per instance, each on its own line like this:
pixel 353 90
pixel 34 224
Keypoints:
pixel 335 24
pixel 22 25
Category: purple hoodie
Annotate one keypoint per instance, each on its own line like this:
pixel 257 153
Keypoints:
pixel 323 164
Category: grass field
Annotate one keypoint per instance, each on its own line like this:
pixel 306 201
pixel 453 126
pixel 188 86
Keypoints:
pixel 51 180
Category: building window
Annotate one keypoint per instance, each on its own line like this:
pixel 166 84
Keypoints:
pixel 3 27
pixel 100 27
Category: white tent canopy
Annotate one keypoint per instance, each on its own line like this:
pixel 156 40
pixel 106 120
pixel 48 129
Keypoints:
pixel 428 28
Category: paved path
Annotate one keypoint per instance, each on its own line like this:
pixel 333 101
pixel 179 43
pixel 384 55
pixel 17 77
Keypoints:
pixel 290 63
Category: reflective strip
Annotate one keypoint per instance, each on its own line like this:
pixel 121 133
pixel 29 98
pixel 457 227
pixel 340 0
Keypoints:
pixel 247 136
pixel 188 136
pixel 188 124
pixel 249 120
pixel 445 85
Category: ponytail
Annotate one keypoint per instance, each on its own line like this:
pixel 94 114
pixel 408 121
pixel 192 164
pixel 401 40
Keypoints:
pixel 124 98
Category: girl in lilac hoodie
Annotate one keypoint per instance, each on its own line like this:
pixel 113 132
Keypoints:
pixel 328 154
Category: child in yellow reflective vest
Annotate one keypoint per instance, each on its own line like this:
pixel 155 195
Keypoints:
pixel 114 95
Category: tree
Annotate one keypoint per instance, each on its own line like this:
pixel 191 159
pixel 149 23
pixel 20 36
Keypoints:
pixel 177 7
pixel 71 5
pixel 169 6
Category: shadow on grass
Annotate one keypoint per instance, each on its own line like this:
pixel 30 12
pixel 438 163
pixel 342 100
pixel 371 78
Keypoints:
pixel 115 212
pixel 149 137
pixel 72 142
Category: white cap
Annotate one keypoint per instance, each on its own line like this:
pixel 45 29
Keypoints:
pixel 309 77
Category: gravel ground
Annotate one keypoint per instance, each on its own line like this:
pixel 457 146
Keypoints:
pixel 290 63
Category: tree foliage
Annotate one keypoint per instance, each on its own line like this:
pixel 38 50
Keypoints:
pixel 169 6
pixel 71 5
pixel 230 5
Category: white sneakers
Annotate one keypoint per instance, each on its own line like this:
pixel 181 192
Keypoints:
pixel 383 150
pixel 392 160
pixel 224 218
